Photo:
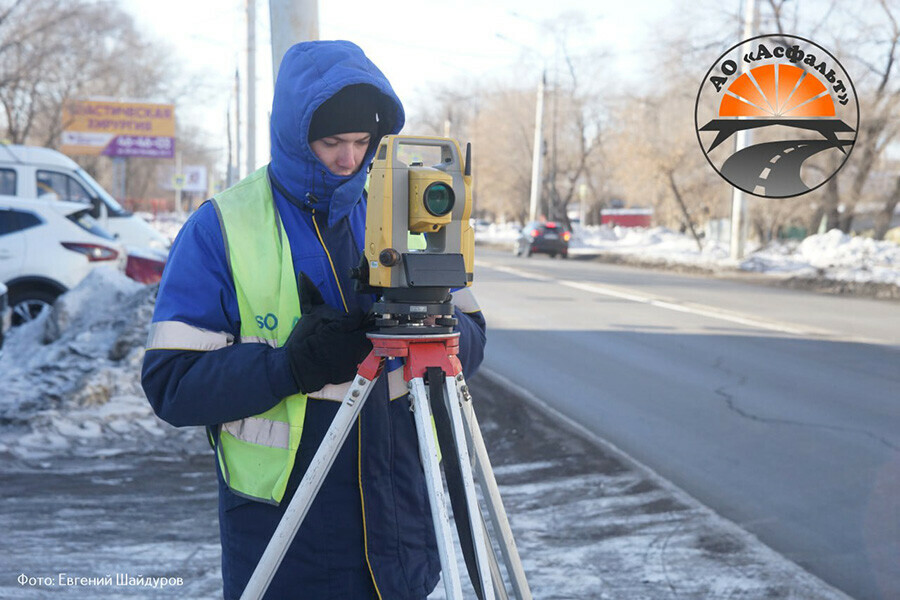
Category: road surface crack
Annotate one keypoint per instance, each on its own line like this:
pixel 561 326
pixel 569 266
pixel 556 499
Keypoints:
pixel 732 405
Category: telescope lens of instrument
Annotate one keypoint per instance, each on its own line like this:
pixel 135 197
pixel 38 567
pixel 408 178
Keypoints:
pixel 438 198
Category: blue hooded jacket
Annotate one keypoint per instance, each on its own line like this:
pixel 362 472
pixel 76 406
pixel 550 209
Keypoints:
pixel 368 534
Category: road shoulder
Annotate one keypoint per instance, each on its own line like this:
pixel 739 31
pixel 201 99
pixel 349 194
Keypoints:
pixel 590 522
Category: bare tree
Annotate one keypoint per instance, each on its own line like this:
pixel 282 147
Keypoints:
pixel 655 157
pixel 54 51
pixel 870 41
pixel 498 117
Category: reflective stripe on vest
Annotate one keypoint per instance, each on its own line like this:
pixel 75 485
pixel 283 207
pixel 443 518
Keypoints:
pixel 260 431
pixel 396 387
pixel 256 454
pixel 175 335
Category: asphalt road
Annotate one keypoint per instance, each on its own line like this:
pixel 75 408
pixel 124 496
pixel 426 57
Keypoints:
pixel 777 408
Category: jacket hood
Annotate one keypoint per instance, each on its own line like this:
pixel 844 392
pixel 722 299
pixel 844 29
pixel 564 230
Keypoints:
pixel 311 73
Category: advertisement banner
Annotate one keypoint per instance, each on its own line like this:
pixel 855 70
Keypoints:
pixel 118 129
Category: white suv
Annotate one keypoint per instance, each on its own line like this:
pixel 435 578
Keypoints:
pixel 46 248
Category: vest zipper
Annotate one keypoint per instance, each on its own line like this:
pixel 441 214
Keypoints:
pixel 330 262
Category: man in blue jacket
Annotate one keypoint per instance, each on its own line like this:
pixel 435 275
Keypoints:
pixel 257 332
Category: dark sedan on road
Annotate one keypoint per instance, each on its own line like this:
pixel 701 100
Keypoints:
pixel 547 237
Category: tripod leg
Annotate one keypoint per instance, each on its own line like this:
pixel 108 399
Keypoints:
pixel 492 496
pixel 428 453
pixel 499 586
pixel 309 487
pixel 479 535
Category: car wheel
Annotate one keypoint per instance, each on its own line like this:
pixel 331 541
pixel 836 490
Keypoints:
pixel 553 255
pixel 29 303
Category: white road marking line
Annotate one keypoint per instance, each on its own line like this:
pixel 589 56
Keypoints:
pixel 691 308
pixel 666 303
pixel 775 159
pixel 765 173
pixel 513 271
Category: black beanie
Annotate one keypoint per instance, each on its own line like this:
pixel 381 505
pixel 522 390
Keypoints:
pixel 353 109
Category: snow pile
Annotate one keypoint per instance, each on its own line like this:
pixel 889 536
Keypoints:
pixel 497 233
pixel 168 224
pixel 832 256
pixel 659 244
pixel 853 258
pixel 70 379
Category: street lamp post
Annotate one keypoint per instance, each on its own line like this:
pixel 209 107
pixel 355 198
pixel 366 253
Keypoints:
pixel 535 204
pixel 742 140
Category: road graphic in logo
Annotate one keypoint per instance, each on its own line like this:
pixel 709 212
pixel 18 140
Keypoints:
pixel 796 103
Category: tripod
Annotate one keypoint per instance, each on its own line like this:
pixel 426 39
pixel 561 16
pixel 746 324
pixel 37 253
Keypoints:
pixel 432 372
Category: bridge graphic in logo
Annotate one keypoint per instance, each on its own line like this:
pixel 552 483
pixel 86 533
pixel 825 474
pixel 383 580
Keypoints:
pixel 793 99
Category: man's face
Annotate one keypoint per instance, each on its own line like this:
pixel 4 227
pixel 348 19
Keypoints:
pixel 342 153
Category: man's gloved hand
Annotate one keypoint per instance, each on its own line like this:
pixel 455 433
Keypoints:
pixel 326 345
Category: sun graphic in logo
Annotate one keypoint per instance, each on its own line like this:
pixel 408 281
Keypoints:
pixel 777 91
pixel 797 97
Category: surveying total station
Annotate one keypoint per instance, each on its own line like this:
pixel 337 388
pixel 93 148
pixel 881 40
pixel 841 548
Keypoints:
pixel 413 279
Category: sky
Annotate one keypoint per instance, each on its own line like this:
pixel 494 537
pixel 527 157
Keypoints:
pixel 416 45
pixel 419 45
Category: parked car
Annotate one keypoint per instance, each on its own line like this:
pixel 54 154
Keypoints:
pixel 48 247
pixel 543 237
pixel 33 172
pixel 5 314
pixel 145 265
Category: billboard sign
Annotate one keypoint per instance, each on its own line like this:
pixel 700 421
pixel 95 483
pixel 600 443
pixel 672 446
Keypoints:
pixel 118 129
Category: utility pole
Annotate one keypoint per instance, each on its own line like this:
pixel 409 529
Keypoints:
pixel 291 21
pixel 538 150
pixel 230 179
pixel 741 141
pixel 251 86
pixel 178 181
pixel 237 124
pixel 534 205
pixel 120 175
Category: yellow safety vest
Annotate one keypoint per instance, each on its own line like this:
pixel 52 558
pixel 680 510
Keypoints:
pixel 256 454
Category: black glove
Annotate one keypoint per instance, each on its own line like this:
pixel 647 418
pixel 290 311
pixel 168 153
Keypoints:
pixel 326 345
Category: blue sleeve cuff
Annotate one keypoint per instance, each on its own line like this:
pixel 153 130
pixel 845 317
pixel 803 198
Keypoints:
pixel 472 339
pixel 278 367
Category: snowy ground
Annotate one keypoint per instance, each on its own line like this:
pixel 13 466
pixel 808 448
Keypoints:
pixel 831 256
pixel 102 500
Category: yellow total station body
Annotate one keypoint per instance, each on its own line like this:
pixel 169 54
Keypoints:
pixel 435 201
